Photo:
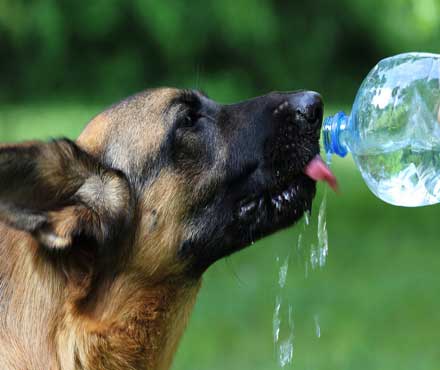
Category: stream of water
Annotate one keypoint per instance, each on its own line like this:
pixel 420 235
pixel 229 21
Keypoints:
pixel 313 256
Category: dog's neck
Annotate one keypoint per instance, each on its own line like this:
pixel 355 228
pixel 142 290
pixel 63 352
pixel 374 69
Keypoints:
pixel 149 320
pixel 129 323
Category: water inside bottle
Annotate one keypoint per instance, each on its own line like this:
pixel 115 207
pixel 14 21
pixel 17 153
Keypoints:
pixel 393 131
pixel 404 177
pixel 399 155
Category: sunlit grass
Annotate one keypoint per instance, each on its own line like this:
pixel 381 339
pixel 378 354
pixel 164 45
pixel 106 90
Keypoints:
pixel 44 121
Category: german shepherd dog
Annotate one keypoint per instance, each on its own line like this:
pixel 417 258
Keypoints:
pixel 103 241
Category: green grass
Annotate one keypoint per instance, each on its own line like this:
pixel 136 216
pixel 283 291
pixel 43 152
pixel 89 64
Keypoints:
pixel 377 298
pixel 44 121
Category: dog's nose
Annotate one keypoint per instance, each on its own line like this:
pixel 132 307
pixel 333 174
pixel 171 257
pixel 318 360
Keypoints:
pixel 303 106
pixel 311 107
pixel 308 105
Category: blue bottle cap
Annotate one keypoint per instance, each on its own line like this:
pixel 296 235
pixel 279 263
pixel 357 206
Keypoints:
pixel 332 128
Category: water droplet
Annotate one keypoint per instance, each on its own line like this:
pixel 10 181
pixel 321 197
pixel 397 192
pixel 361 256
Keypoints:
pixel 291 318
pixel 285 347
pixel 276 203
pixel 328 158
pixel 299 242
pixel 287 196
pixel 277 320
pixel 310 257
pixel 282 323
pixel 314 259
pixel 286 352
pixel 317 326
pixel 306 218
pixel 322 232
pixel 283 273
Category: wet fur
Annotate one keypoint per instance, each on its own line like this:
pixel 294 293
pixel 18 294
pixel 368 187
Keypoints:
pixel 97 261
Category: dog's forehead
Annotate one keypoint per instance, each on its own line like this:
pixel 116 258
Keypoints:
pixel 139 122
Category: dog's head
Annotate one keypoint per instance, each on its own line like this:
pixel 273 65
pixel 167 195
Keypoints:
pixel 168 178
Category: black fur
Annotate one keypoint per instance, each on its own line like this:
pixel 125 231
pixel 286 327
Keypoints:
pixel 267 149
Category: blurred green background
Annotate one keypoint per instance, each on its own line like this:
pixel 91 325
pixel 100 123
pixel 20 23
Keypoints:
pixel 377 299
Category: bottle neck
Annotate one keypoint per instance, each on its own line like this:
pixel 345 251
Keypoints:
pixel 333 129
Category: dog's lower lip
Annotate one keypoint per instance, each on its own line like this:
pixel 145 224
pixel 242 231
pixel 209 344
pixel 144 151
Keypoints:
pixel 286 196
pixel 279 200
pixel 247 207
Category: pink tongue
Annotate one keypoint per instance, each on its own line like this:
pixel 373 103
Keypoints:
pixel 318 170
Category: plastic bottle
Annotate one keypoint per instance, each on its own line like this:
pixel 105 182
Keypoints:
pixel 393 131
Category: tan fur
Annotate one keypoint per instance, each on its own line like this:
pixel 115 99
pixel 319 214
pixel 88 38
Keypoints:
pixel 26 329
pixel 65 222
pixel 163 233
pixel 132 319
pixel 134 326
pixel 93 136
pixel 145 135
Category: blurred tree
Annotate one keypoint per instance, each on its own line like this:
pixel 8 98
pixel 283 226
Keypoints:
pixel 106 49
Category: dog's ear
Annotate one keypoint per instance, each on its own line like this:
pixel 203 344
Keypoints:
pixel 57 192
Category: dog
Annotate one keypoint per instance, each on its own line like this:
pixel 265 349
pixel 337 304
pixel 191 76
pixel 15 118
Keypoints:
pixel 104 240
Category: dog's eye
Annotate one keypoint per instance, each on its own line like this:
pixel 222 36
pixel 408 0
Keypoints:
pixel 189 119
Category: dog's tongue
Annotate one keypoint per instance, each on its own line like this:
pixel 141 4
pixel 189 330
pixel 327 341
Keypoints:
pixel 318 171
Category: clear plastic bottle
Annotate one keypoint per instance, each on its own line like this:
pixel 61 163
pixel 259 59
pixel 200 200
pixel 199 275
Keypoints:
pixel 393 131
